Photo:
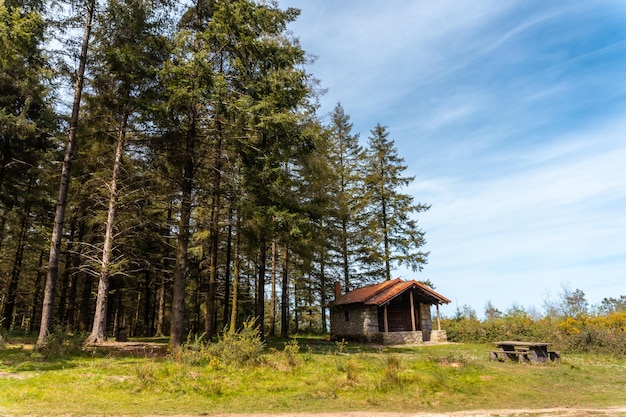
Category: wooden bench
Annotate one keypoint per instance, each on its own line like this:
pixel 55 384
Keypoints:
pixel 554 355
pixel 523 352
pixel 519 355
pixel 502 355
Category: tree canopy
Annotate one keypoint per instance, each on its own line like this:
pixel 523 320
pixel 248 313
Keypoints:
pixel 199 186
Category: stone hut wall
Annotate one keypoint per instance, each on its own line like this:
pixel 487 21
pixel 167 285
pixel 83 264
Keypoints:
pixel 426 323
pixel 353 322
pixel 359 322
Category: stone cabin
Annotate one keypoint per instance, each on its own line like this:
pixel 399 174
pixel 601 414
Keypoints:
pixel 392 312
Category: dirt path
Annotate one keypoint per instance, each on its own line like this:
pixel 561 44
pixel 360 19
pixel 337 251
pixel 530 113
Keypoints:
pixel 543 412
pixel 546 412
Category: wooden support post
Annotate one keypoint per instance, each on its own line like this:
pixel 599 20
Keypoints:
pixel 412 312
pixel 438 319
pixel 386 322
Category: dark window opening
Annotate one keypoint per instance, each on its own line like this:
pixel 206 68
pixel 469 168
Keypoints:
pixel 347 314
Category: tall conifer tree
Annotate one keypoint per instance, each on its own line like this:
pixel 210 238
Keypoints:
pixel 347 158
pixel 27 126
pixel 129 52
pixel 392 230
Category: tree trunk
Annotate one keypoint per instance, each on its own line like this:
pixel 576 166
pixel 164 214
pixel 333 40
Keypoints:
pixel 229 244
pixel 260 288
pixel 135 323
pixel 197 303
pixel 74 259
pixel 177 324
pixel 344 254
pixel 161 307
pixel 66 277
pixel 214 235
pixel 14 280
pixel 323 289
pixel 161 292
pixel 295 308
pixel 386 241
pixel 272 329
pixel 37 294
pixel 59 216
pixel 147 301
pixel 284 301
pixel 234 308
pixel 85 316
pixel 99 330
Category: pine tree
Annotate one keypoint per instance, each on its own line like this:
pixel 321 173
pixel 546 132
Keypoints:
pixel 391 229
pixel 27 126
pixel 346 157
pixel 129 52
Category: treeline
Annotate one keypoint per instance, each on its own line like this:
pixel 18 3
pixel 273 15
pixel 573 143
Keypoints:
pixel 569 323
pixel 163 171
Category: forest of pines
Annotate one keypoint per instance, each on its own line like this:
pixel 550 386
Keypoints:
pixel 164 171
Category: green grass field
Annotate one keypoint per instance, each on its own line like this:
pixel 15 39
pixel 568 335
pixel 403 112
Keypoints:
pixel 315 376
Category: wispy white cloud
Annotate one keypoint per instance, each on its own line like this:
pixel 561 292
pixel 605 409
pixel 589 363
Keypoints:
pixel 557 218
pixel 510 114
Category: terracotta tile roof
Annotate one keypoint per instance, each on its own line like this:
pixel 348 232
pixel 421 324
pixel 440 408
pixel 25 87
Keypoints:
pixel 380 294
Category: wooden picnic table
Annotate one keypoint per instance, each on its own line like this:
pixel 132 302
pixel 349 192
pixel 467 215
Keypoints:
pixel 523 351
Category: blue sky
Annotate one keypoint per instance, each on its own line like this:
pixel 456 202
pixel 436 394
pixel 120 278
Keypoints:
pixel 511 116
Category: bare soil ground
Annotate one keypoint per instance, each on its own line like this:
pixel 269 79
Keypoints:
pixel 147 349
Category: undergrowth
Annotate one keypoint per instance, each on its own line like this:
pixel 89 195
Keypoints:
pixel 583 333
pixel 316 376
pixel 61 344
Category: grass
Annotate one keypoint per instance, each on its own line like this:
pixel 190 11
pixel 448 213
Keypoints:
pixel 321 376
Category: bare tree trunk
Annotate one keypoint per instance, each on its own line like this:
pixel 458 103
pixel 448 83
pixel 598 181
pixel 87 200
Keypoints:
pixel 59 216
pixel 99 330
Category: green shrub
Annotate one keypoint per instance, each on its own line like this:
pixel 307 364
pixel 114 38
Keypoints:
pixel 577 334
pixel 290 353
pixel 391 375
pixel 468 330
pixel 602 334
pixel 194 352
pixel 62 344
pixel 350 366
pixel 284 360
pixel 243 347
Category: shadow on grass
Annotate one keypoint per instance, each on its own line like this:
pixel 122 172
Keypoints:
pixel 22 358
pixel 20 355
pixel 321 345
